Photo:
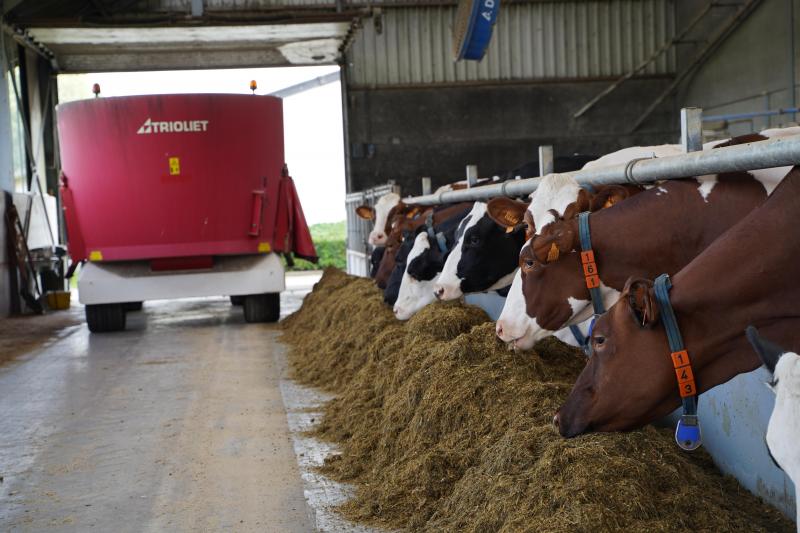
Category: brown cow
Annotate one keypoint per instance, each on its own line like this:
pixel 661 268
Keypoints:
pixel 747 276
pixel 557 295
pixel 658 231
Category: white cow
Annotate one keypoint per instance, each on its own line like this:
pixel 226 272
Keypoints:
pixel 379 213
pixel 783 431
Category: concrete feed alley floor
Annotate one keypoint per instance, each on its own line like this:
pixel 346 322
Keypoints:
pixel 176 424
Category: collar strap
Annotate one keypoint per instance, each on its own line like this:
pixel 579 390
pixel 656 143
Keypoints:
pixel 579 337
pixel 589 266
pixel 584 341
pixel 687 433
pixel 439 238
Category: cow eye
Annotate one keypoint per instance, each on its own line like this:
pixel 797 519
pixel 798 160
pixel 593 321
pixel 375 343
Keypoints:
pixel 599 340
pixel 474 239
pixel 528 264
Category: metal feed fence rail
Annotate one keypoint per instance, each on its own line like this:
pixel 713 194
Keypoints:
pixel 358 249
pixel 784 151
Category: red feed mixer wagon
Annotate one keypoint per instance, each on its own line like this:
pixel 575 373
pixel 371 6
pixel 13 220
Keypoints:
pixel 175 196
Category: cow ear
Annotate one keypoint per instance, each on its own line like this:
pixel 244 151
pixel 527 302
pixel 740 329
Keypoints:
pixel 608 196
pixel 769 352
pixel 365 212
pixel 507 213
pixel 557 238
pixel 581 204
pixel 641 300
pixel 414 211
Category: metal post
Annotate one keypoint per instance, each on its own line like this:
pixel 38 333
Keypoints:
pixel 426 186
pixel 472 175
pixel 692 129
pixel 9 301
pixel 545 160
pixel 792 61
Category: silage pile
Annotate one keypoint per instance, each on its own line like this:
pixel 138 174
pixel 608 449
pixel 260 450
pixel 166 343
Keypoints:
pixel 442 428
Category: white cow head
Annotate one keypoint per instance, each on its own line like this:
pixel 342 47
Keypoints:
pixel 379 213
pixel 514 325
pixel 783 431
pixel 448 285
pixel 414 294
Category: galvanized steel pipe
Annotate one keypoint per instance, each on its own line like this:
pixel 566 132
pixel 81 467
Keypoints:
pixel 784 151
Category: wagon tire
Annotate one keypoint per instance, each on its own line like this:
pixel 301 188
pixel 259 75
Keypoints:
pixel 133 306
pixel 103 318
pixel 262 307
pixel 237 300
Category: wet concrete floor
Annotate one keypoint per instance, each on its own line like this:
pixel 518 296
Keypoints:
pixel 176 424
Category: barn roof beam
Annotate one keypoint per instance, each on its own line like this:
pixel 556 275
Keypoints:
pixel 733 23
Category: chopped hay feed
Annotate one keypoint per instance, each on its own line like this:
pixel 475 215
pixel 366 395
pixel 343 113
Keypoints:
pixel 442 428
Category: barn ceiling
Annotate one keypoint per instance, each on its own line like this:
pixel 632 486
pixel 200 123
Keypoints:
pixel 104 35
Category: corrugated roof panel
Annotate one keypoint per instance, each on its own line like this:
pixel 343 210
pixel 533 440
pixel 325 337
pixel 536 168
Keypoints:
pixel 532 41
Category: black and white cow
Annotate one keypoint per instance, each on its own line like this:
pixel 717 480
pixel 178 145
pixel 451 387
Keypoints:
pixel 484 258
pixel 487 253
pixel 392 289
pixel 375 260
pixel 425 261
pixel 560 164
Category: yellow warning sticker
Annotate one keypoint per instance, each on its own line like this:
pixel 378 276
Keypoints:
pixel 264 247
pixel 174 166
pixel 95 255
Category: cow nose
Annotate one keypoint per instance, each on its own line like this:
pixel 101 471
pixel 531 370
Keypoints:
pixel 499 329
pixel 438 292
pixel 557 422
pixel 381 236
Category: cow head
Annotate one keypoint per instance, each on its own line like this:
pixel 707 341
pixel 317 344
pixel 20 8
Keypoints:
pixel 403 218
pixel 485 254
pixel 375 260
pixel 556 194
pixel 395 277
pixel 629 380
pixel 783 430
pixel 379 214
pixel 414 294
pixel 489 250
pixel 551 273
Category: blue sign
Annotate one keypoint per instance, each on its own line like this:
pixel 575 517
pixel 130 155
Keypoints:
pixel 478 34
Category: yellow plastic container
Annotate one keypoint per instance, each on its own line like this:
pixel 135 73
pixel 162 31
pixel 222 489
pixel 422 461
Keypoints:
pixel 58 300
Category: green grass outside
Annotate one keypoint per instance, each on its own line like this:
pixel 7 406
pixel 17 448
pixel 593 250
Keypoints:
pixel 329 240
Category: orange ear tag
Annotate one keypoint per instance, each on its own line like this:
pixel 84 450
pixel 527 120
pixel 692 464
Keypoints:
pixel 552 253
